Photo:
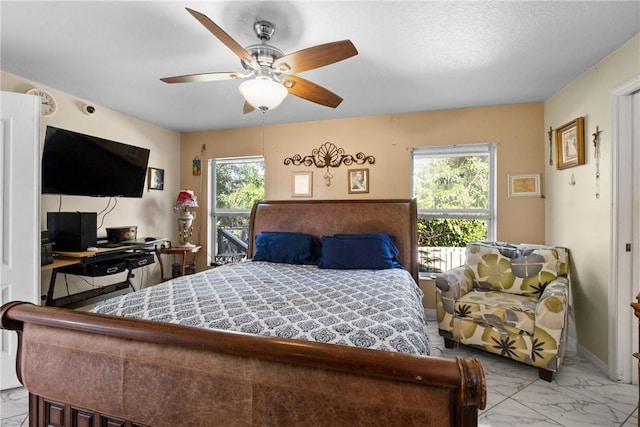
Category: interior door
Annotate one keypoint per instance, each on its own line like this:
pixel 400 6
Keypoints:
pixel 635 217
pixel 625 225
pixel 19 214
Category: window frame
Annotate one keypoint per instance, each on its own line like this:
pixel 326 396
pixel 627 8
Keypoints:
pixel 213 211
pixel 461 150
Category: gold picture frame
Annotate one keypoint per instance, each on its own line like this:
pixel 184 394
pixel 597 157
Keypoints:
pixel 570 144
pixel 302 184
pixel 156 179
pixel 358 181
pixel 524 185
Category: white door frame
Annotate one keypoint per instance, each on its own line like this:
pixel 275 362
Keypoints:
pixel 19 215
pixel 622 340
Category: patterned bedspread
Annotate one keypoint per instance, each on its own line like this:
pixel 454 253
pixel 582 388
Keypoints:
pixel 378 309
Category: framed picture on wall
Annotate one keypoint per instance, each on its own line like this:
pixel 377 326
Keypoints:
pixel 524 185
pixel 358 180
pixel 197 168
pixel 570 144
pixel 156 179
pixel 301 184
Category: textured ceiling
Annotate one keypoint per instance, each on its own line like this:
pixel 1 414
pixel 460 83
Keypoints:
pixel 413 56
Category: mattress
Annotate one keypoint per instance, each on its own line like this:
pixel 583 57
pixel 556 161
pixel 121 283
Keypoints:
pixel 376 309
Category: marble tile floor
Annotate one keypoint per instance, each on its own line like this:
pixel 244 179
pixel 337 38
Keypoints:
pixel 578 396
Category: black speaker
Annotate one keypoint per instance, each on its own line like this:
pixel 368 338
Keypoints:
pixel 72 231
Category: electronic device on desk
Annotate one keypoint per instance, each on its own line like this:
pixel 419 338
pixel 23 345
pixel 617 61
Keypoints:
pixel 158 243
pixel 107 244
pixel 72 231
pixel 122 233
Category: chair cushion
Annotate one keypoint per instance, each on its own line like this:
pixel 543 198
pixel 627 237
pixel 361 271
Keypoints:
pixel 504 311
pixel 563 256
pixel 512 269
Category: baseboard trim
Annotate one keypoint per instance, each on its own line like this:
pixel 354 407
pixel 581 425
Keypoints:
pixel 589 356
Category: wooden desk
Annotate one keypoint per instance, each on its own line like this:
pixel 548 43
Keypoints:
pixel 177 250
pixel 59 262
pixel 68 260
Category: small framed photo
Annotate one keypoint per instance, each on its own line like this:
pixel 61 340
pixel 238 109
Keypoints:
pixel 570 144
pixel 358 181
pixel 156 179
pixel 301 184
pixel 197 169
pixel 524 185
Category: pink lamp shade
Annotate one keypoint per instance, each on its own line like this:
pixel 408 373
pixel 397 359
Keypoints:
pixel 186 199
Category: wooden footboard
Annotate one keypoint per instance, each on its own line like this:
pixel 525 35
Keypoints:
pixel 87 369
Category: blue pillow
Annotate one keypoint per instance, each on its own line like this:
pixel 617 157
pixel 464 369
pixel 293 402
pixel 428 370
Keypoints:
pixel 287 247
pixel 359 251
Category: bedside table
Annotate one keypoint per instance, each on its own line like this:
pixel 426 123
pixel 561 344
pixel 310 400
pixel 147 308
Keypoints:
pixel 176 250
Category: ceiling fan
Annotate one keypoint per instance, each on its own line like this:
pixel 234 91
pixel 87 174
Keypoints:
pixel 269 72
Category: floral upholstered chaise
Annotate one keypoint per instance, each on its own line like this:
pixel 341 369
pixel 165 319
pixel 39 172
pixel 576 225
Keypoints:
pixel 508 299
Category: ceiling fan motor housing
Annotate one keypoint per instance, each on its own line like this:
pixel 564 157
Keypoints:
pixel 264 54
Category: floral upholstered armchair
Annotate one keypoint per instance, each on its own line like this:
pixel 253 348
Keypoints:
pixel 508 299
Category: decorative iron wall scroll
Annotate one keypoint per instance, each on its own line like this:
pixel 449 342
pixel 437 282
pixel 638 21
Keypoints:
pixel 329 156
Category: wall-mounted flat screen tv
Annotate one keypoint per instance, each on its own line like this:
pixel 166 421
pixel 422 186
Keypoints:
pixel 83 165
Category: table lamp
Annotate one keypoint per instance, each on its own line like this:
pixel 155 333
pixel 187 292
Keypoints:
pixel 186 199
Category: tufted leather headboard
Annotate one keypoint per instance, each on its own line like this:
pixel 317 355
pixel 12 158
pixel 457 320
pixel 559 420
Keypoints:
pixel 396 218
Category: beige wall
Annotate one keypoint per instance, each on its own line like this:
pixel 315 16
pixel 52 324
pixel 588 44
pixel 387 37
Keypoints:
pixel 575 217
pixel 153 214
pixel 516 129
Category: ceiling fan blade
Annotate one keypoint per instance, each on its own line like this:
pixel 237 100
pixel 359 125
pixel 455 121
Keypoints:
pixel 311 92
pixel 315 57
pixel 225 38
pixel 204 77
pixel 247 108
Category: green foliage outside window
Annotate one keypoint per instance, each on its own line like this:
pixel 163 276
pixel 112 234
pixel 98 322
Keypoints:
pixel 239 185
pixel 453 182
pixel 445 185
pixel 450 232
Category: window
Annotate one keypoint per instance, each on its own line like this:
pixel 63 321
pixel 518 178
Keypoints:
pixel 236 183
pixel 455 190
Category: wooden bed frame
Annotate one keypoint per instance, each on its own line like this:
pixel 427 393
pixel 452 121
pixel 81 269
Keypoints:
pixel 84 369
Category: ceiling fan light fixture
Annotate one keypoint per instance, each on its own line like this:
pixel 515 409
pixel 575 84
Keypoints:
pixel 263 93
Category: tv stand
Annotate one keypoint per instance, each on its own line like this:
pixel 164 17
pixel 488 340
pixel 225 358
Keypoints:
pixel 126 257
